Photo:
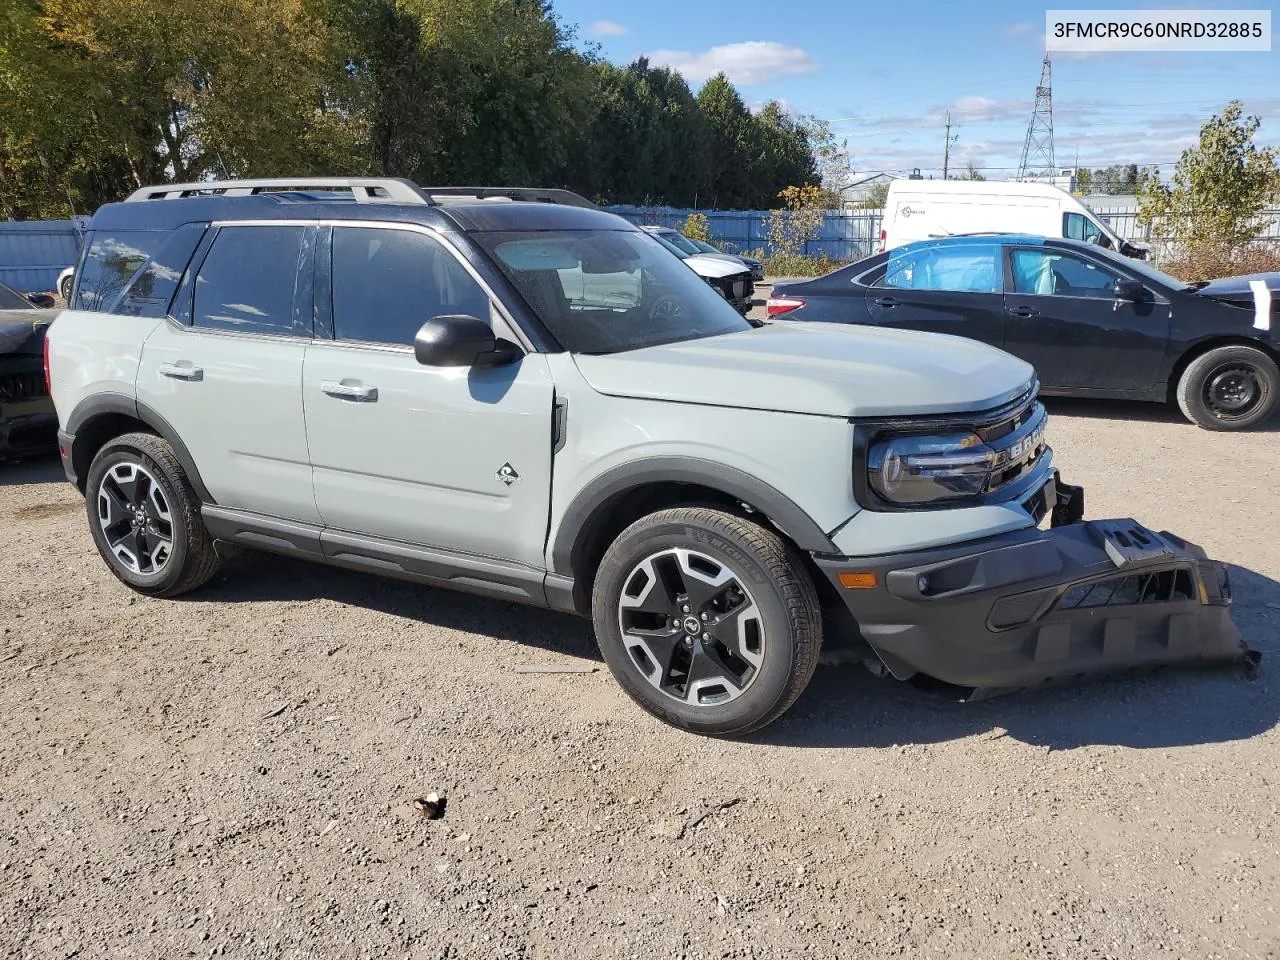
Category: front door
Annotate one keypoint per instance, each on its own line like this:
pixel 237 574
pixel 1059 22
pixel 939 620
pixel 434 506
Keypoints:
pixel 955 288
pixel 1065 321
pixel 453 458
pixel 226 370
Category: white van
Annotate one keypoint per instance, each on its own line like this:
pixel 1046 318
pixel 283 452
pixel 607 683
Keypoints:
pixel 927 209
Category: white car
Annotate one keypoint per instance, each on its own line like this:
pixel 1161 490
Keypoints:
pixel 730 277
pixel 65 280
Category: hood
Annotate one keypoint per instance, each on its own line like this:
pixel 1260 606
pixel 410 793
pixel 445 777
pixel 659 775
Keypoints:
pixel 706 265
pixel 1240 288
pixel 824 369
pixel 22 331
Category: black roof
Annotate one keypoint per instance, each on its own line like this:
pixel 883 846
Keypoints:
pixel 479 215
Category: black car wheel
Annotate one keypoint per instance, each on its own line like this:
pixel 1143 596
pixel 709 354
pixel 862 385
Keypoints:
pixel 1229 388
pixel 65 290
pixel 145 518
pixel 709 621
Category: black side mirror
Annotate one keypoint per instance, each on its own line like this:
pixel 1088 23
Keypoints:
pixel 1131 290
pixel 42 300
pixel 461 341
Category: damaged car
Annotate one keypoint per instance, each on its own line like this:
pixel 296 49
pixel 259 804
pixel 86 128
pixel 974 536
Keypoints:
pixel 28 423
pixel 1092 323
pixel 720 500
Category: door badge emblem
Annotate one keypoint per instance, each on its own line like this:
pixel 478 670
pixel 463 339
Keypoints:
pixel 507 474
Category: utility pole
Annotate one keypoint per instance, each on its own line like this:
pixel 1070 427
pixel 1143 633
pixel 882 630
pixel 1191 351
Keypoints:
pixel 946 147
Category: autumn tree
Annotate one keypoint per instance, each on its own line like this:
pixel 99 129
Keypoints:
pixel 1219 187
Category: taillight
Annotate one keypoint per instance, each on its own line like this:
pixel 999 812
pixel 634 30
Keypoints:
pixel 884 237
pixel 780 305
pixel 48 383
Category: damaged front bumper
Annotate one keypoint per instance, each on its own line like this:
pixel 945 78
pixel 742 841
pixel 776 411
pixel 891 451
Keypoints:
pixel 1034 606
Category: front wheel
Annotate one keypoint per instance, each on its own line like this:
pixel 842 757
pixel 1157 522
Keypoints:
pixel 145 517
pixel 66 290
pixel 1229 388
pixel 709 621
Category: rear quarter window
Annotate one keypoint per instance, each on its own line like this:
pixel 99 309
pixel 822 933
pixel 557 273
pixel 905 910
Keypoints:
pixel 111 261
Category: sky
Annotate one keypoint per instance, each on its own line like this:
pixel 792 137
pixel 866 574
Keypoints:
pixel 886 74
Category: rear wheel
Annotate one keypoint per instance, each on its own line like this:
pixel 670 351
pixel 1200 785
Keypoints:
pixel 1229 388
pixel 65 290
pixel 709 621
pixel 145 517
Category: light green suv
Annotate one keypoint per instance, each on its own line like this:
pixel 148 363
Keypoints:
pixel 445 385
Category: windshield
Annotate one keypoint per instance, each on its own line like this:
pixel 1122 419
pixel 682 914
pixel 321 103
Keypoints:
pixel 680 242
pixel 1139 267
pixel 606 291
pixel 11 300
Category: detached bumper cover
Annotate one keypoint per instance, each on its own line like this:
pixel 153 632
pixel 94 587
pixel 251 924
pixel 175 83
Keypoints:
pixel 1035 606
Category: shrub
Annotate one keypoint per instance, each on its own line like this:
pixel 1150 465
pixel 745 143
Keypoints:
pixel 696 227
pixel 1209 261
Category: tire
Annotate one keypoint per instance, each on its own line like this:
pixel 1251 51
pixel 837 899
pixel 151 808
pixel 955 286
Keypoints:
pixel 139 471
pixel 1213 388
pixel 66 290
pixel 765 617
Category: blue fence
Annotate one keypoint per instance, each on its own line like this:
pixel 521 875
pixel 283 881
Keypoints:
pixel 34 252
pixel 844 235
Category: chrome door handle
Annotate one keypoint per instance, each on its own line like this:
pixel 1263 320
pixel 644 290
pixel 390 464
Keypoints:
pixel 181 371
pixel 349 391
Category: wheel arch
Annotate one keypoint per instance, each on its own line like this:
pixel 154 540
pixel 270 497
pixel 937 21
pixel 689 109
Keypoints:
pixel 99 419
pixel 1201 347
pixel 620 496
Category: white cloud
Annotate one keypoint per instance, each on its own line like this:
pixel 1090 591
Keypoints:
pixel 607 28
pixel 745 64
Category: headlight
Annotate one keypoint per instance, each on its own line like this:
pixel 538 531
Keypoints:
pixel 928 469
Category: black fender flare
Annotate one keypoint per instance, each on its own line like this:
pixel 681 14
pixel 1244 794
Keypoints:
pixel 760 496
pixel 103 404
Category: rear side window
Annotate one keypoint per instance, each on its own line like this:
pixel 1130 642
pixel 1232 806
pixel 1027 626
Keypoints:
pixel 110 262
pixel 247 281
pixel 388 283
pixel 961 269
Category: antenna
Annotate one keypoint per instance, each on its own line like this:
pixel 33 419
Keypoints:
pixel 1037 149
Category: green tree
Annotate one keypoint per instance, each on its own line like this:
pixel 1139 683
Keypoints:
pixel 729 126
pixel 876 197
pixel 1219 187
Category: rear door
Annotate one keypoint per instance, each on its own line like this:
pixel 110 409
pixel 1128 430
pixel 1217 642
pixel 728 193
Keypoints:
pixel 226 369
pixel 1065 321
pixel 452 458
pixel 954 288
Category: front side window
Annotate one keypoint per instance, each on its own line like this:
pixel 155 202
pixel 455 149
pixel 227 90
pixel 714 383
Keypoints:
pixel 388 283
pixel 1049 272
pixel 247 281
pixel 607 291
pixel 970 268
pixel 110 262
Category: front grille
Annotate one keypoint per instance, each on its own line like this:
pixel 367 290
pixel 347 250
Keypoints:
pixel 1019 442
pixel 17 387
pixel 1162 586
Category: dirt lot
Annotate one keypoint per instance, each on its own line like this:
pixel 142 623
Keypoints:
pixel 231 774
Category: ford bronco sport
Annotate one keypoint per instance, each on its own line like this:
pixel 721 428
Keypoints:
pixel 467 387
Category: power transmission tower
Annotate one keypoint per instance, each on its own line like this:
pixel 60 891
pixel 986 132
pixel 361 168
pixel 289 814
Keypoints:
pixel 946 149
pixel 1037 149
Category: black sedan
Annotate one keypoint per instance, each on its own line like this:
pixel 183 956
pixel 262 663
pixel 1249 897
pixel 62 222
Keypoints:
pixel 1093 324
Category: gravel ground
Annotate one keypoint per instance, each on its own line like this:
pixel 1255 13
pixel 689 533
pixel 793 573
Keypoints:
pixel 232 774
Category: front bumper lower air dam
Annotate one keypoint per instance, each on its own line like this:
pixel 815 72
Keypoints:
pixel 1038 606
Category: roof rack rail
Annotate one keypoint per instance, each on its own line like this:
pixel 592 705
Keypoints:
pixel 363 189
pixel 526 194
